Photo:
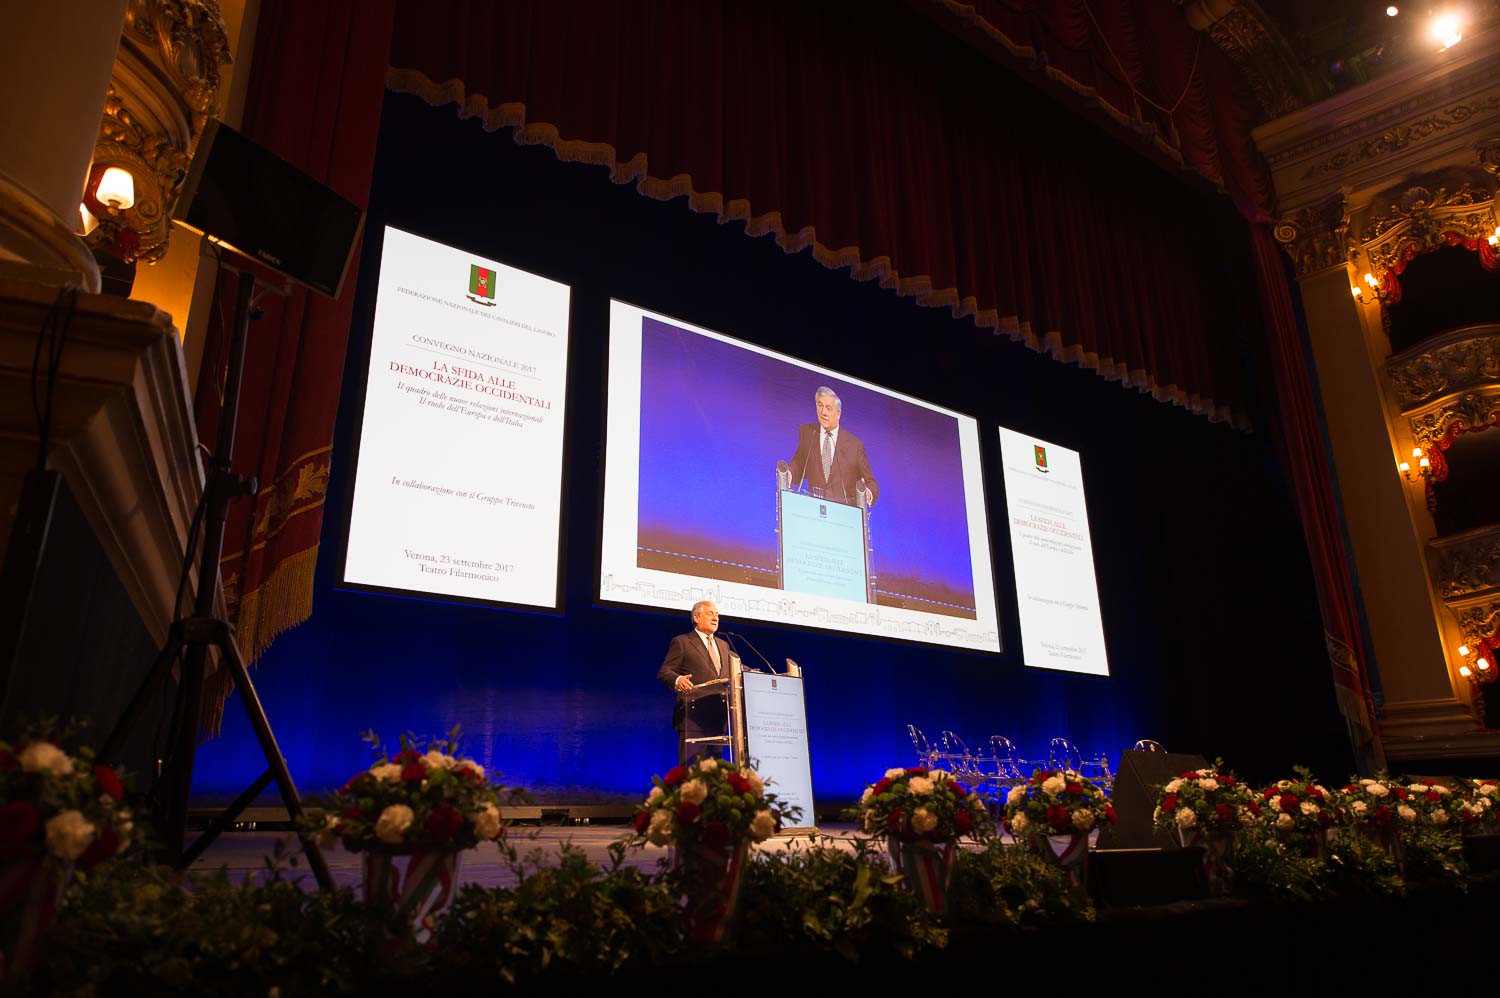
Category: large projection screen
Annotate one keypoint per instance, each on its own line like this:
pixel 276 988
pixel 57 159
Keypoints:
pixel 458 481
pixel 1058 596
pixel 696 425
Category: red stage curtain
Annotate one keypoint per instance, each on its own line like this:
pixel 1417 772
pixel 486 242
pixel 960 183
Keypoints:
pixel 1300 434
pixel 317 77
pixel 882 143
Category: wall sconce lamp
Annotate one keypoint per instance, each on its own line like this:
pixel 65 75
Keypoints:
pixel 1479 671
pixel 1376 291
pixel 116 189
pixel 1494 239
pixel 1423 471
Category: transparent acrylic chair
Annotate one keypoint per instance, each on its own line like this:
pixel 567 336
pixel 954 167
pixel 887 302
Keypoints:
pixel 961 762
pixel 1008 763
pixel 1063 754
pixel 1147 745
pixel 925 754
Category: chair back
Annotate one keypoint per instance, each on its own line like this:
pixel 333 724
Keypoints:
pixel 1147 745
pixel 1007 760
pixel 1063 754
pixel 920 744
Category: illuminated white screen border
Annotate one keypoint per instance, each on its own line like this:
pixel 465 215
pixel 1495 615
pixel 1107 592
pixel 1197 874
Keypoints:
pixel 621 581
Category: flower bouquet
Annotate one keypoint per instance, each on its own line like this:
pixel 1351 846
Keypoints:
pixel 922 813
pixel 1053 813
pixel 57 812
pixel 1373 807
pixel 426 806
pixel 1481 812
pixel 1300 811
pixel 709 811
pixel 1207 807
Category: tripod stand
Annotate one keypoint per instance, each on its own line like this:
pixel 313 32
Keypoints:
pixel 192 636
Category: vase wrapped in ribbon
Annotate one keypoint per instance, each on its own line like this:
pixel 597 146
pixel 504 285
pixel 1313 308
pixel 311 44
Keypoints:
pixel 710 812
pixel 57 812
pixel 1376 809
pixel 413 815
pixel 1300 811
pixel 1053 813
pixel 922 813
pixel 1206 808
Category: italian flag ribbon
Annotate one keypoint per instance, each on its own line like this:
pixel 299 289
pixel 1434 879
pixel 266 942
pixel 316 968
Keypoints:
pixel 417 897
pixel 926 867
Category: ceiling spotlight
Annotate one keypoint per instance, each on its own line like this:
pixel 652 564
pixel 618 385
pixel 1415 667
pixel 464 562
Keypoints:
pixel 1392 10
pixel 1448 29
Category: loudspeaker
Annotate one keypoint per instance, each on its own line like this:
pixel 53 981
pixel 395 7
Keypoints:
pixel 1136 783
pixel 255 203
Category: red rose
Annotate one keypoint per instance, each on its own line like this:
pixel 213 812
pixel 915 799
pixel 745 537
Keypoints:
pixel 1429 783
pixel 1169 803
pixel 716 834
pixel 1226 780
pixel 1190 775
pixel 1268 793
pixel 674 776
pixel 353 814
pixel 19 823
pixel 893 824
pixel 468 773
pixel 1224 814
pixel 1400 792
pixel 444 822
pixel 7 760
pixel 962 822
pixel 642 820
pixel 738 783
pixel 414 772
pixel 1255 809
pixel 1109 813
pixel 1317 792
pixel 1059 818
pixel 881 786
pixel 1074 788
pixel 1432 796
pixel 1036 778
pixel 1382 814
pixel 959 789
pixel 109 782
pixel 1289 803
pixel 918 771
pixel 688 812
pixel 105 845
pixel 407 756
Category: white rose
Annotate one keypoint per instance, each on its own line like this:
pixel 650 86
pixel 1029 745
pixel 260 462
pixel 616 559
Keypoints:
pixel 659 833
pixel 1406 813
pixel 1208 784
pixel 864 798
pixel 1173 787
pixel 1440 817
pixel 1360 807
pixel 1083 819
pixel 478 769
pixel 939 775
pixel 708 765
pixel 392 824
pixel 44 757
pixel 1247 817
pixel 694 791
pixel 757 785
pixel 69 834
pixel 1274 803
pixel 487 822
pixel 437 760
pixel 923 821
pixel 920 785
pixel 1018 824
pixel 654 796
pixel 1284 821
pixel 1444 791
pixel 1185 817
pixel 1487 788
pixel 1053 785
pixel 1377 789
pixel 1016 795
pixel 1482 803
pixel 1308 807
pixel 895 774
pixel 328 835
pixel 1418 788
pixel 386 771
pixel 762 826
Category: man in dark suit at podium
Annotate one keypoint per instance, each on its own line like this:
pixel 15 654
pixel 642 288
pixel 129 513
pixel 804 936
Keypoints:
pixel 692 659
pixel 830 459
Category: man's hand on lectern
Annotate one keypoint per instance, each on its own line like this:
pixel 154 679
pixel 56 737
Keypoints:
pixel 684 684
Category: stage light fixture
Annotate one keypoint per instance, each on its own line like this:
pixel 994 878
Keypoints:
pixel 1392 10
pixel 1448 28
pixel 116 189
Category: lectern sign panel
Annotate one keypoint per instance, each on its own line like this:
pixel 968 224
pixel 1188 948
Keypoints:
pixel 822 547
pixel 776 738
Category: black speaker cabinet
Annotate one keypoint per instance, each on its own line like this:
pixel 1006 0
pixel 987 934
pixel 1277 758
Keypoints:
pixel 1134 797
pixel 257 204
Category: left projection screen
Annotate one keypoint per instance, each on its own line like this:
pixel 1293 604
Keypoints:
pixel 697 426
pixel 458 481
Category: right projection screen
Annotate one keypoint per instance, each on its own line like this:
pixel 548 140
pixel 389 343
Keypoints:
pixel 1056 588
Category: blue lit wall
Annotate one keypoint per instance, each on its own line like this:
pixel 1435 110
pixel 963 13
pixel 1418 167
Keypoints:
pixel 1208 606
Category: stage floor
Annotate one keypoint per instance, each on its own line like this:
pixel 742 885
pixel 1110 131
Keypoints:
pixel 244 854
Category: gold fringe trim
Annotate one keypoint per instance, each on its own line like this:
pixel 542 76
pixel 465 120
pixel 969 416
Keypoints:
pixel 513 115
pixel 281 602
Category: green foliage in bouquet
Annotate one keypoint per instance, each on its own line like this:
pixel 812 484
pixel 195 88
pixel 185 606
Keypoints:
pixel 1435 857
pixel 59 804
pixel 820 898
pixel 1004 885
pixel 1265 867
pixel 423 797
pixel 570 919
pixel 1359 866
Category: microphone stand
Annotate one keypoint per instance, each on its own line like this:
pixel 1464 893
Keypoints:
pixel 727 635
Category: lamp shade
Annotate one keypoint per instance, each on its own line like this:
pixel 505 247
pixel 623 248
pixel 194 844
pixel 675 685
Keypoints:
pixel 116 188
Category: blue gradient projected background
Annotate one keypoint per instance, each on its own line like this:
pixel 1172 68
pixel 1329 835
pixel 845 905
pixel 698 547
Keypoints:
pixel 716 417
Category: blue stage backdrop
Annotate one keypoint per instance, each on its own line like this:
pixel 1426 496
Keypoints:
pixel 1208 607
pixel 715 419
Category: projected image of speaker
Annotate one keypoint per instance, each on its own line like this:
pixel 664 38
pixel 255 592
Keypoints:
pixel 255 203
pixel 1140 776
